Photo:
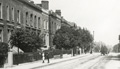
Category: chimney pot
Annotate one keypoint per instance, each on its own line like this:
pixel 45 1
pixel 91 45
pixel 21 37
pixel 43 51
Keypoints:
pixel 58 12
pixel 39 5
pixel 45 4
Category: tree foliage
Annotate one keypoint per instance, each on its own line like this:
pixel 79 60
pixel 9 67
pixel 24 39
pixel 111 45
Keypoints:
pixel 3 48
pixel 68 38
pixel 97 47
pixel 62 38
pixel 85 39
pixel 26 40
pixel 104 49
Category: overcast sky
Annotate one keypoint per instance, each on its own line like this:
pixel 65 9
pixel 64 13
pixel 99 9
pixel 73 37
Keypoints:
pixel 101 16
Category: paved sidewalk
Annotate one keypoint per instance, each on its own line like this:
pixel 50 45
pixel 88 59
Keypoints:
pixel 114 63
pixel 36 64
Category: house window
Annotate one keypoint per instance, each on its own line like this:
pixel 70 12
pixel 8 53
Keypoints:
pixel 12 14
pixel 26 18
pixel 52 27
pixel 31 19
pixel 56 26
pixel 8 15
pixel 1 35
pixel 35 21
pixel 38 22
pixel 44 24
pixel 1 9
pixel 9 34
pixel 18 17
pixel 47 25
pixel 38 33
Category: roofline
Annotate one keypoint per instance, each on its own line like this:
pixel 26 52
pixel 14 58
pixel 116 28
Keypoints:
pixel 56 15
pixel 32 5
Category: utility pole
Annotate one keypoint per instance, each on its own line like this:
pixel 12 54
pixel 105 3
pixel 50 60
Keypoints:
pixel 93 38
pixel 92 43
pixel 119 43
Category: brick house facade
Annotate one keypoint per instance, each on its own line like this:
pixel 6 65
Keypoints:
pixel 35 17
pixel 23 14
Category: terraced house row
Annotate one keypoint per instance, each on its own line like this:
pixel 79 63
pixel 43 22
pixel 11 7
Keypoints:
pixel 35 17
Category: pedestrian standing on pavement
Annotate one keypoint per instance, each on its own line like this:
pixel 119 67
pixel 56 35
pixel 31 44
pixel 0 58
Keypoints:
pixel 47 56
pixel 43 57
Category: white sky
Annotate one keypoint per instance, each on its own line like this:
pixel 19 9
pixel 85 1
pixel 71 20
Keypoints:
pixel 100 16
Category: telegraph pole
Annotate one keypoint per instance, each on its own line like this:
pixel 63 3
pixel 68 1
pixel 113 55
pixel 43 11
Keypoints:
pixel 93 37
pixel 92 43
pixel 119 43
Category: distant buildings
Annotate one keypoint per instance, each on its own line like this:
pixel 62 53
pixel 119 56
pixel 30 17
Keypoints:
pixel 35 17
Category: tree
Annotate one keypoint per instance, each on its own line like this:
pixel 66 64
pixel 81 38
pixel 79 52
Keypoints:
pixel 61 38
pixel 66 38
pixel 85 39
pixel 26 40
pixel 97 47
pixel 104 50
pixel 69 38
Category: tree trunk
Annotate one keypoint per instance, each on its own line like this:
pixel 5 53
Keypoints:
pixel 61 54
pixel 71 52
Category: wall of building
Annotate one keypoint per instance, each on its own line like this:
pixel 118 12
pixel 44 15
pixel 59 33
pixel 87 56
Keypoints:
pixel 34 20
pixel 24 14
pixel 45 27
pixel 9 20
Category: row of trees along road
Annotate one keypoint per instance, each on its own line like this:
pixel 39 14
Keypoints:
pixel 101 47
pixel 70 38
pixel 65 38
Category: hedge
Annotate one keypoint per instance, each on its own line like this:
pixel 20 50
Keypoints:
pixel 3 53
pixel 26 57
pixel 2 59
pixel 30 57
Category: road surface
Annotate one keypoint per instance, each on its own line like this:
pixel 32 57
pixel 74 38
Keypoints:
pixel 94 61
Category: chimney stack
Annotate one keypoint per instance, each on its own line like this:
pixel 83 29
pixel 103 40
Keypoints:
pixel 39 5
pixel 58 12
pixel 45 4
